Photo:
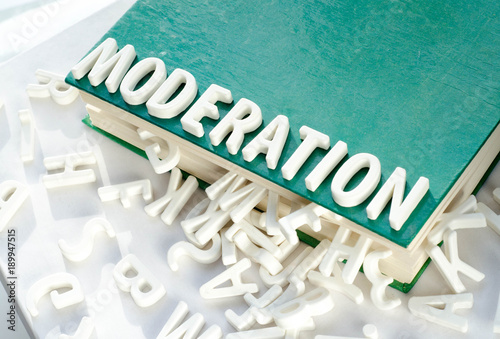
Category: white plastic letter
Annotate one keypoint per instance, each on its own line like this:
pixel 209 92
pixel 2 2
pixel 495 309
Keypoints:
pixel 12 196
pixel 133 96
pixel 205 107
pixel 69 176
pixel 222 185
pixel 203 227
pixel 153 150
pixel 326 166
pixel 125 191
pixel 51 284
pixel 159 107
pixel 189 329
pixel 27 135
pixel 228 249
pixel 257 254
pixel 294 333
pixel 440 309
pixel 450 264
pixel 182 248
pixel 247 319
pixel 209 290
pixel 347 171
pixel 379 281
pixel 237 124
pixel 269 141
pixel 461 217
pixel 492 219
pixel 339 250
pixel 52 85
pixel 272 214
pixel 82 250
pixel 311 139
pixel 308 215
pixel 174 199
pixel 213 219
pixel 496 194
pixel 298 311
pixel 280 279
pixel 240 202
pixel 103 62
pixel 336 283
pixel 144 287
pixel 310 262
pixel 394 188
pixel 256 236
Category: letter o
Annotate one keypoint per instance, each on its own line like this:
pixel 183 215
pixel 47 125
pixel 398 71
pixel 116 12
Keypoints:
pixel 347 171
pixel 133 96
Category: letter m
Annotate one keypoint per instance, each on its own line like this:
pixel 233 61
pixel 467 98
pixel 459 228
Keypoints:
pixel 104 62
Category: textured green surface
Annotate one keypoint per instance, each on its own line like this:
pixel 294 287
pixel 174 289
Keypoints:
pixel 415 84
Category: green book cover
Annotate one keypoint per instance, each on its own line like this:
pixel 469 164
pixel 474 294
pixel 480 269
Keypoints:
pixel 415 84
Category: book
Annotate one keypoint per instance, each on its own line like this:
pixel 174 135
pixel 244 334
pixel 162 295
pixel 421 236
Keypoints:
pixel 375 99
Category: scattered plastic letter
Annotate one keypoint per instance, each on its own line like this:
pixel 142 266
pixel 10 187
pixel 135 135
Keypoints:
pixel 27 135
pixel 82 250
pixel 339 250
pixel 12 196
pixel 53 85
pixel 379 281
pixel 174 328
pixel 153 150
pixel 440 309
pixel 69 175
pixel 126 190
pixel 144 287
pixel 210 291
pixel 51 284
pixel 171 204
pixel 450 264
pixel 298 311
pixel 182 248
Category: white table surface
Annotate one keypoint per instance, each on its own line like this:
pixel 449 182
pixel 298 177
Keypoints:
pixel 50 215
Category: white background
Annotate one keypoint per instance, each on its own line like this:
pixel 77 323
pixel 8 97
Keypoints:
pixel 50 215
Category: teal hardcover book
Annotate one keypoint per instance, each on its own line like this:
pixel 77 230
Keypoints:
pixel 410 85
